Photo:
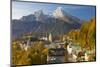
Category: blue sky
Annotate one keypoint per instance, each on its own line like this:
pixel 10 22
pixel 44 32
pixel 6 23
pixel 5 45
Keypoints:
pixel 20 9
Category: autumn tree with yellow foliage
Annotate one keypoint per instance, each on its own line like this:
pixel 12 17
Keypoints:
pixel 36 54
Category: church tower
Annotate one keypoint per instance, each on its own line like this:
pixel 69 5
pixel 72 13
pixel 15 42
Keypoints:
pixel 50 37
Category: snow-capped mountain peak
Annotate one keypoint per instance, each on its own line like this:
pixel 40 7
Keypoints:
pixel 59 12
pixel 39 15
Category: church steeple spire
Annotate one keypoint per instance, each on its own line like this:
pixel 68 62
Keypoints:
pixel 50 37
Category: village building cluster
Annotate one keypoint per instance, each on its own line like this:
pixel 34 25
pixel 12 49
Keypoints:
pixel 57 50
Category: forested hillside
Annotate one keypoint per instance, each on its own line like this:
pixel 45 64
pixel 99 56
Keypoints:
pixel 86 35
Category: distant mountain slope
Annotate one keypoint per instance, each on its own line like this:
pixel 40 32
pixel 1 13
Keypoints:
pixel 58 23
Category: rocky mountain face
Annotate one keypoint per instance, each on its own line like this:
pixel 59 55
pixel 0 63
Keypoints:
pixel 58 23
